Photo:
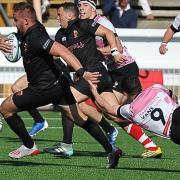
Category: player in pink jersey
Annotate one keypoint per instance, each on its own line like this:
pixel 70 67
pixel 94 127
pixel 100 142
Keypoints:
pixel 154 109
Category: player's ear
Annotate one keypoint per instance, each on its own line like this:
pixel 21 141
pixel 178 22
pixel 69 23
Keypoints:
pixel 26 21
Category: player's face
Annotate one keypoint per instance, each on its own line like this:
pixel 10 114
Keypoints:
pixel 85 10
pixel 19 21
pixel 62 17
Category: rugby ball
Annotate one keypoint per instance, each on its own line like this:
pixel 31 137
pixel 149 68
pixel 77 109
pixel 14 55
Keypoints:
pixel 15 54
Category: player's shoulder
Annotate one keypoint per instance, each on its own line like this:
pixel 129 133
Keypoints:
pixel 37 31
pixel 60 35
pixel 102 20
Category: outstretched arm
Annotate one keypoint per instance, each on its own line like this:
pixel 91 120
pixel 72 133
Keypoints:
pixel 166 38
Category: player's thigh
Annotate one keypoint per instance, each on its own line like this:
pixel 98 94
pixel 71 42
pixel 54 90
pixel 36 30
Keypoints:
pixel 20 84
pixel 29 98
pixel 79 93
pixel 120 97
pixel 110 98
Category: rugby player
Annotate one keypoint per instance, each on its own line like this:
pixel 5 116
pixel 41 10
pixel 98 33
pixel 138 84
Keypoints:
pixel 117 71
pixel 46 84
pixel 154 109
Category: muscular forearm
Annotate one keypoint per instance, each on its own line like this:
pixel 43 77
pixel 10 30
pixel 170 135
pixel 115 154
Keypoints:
pixel 59 50
pixel 109 35
pixel 168 35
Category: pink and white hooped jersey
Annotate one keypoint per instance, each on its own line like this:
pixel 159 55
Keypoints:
pixel 152 110
pixel 100 42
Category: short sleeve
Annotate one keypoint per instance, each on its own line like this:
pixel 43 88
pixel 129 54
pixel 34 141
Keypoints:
pixel 176 24
pixel 89 26
pixel 42 41
pixel 106 23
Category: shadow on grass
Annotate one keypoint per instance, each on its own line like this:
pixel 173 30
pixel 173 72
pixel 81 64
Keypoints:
pixel 84 153
pixel 25 163
pixel 149 169
pixel 16 139
pixel 20 163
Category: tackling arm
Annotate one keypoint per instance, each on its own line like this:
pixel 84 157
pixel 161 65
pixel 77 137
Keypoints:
pixel 104 105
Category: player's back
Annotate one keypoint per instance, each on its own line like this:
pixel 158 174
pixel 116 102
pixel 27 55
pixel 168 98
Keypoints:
pixel 153 109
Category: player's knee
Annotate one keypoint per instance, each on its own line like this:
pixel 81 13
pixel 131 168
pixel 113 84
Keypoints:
pixel 14 88
pixel 5 111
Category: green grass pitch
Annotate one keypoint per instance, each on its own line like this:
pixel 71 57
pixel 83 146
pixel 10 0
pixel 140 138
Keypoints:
pixel 89 160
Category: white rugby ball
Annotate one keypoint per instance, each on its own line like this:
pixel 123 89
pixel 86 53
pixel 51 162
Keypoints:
pixel 15 54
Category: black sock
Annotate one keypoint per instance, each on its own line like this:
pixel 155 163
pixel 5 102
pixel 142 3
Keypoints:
pixel 68 125
pixel 36 115
pixel 95 131
pixel 17 125
pixel 106 126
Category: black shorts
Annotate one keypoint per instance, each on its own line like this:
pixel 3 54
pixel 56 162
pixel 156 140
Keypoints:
pixel 175 126
pixel 59 93
pixel 105 84
pixel 119 74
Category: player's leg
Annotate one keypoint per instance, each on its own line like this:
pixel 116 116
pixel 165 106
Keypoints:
pixel 91 110
pixel 79 97
pixel 66 145
pixel 95 131
pixel 135 131
pixel 9 110
pixel 39 123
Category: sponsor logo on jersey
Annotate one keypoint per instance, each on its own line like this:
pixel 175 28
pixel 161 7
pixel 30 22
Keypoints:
pixel 25 47
pixel 63 39
pixel 75 34
pixel 147 113
pixel 115 84
pixel 78 45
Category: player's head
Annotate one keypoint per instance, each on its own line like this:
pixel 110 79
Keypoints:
pixel 24 16
pixel 66 12
pixel 87 9
pixel 131 85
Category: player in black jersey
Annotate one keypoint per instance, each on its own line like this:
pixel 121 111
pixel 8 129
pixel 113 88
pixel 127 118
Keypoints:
pixel 46 84
pixel 79 37
pixel 84 48
pixel 117 72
